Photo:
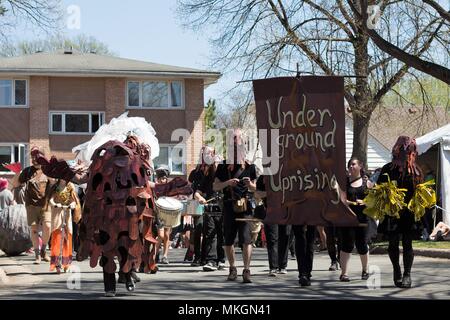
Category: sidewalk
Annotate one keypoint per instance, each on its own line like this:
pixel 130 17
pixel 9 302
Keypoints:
pixel 12 272
pixel 180 281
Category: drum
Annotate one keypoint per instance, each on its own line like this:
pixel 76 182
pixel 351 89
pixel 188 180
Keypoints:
pixel 184 211
pixel 194 208
pixel 169 211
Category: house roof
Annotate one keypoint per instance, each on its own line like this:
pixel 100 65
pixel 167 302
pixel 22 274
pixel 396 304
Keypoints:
pixel 91 64
pixel 388 123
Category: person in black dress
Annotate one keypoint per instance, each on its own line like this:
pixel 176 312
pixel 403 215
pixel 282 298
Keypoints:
pixel 407 173
pixel 350 236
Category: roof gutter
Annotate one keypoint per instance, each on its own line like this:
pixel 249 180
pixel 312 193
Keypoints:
pixel 209 77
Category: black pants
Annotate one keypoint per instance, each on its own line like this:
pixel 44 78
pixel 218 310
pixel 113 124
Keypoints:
pixel 75 237
pixel 292 243
pixel 277 237
pixel 304 248
pixel 196 237
pixel 394 251
pixel 212 246
pixel 354 236
pixel 231 227
pixel 109 279
pixel 333 243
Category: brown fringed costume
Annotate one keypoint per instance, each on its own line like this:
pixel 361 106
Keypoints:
pixel 119 208
pixel 118 211
pixel 118 204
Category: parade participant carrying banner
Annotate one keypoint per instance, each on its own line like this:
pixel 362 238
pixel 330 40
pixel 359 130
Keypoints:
pixel 305 116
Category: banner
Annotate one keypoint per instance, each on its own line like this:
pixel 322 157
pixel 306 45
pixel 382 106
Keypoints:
pixel 306 117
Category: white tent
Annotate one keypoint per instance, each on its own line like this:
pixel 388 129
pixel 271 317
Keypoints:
pixel 440 138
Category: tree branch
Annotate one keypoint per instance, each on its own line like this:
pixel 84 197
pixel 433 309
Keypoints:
pixel 444 14
pixel 439 72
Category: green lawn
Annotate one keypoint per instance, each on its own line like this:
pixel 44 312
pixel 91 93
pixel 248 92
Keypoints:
pixel 419 244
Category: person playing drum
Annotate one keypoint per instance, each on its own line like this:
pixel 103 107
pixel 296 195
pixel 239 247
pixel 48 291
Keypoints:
pixel 202 178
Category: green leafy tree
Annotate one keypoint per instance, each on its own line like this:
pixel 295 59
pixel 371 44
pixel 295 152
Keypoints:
pixel 210 114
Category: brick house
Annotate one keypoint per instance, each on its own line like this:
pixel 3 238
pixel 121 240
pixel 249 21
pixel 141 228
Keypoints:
pixel 58 100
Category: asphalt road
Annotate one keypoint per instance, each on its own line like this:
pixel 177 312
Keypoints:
pixel 179 281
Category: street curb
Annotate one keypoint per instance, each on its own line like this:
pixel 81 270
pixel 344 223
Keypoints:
pixel 431 253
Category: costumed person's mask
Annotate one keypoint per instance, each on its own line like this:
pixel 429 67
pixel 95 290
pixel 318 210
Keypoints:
pixel 236 145
pixel 404 154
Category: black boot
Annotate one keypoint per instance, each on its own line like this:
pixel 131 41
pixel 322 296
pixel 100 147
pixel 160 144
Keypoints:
pixel 129 283
pixel 304 281
pixel 394 255
pixel 109 281
pixel 397 276
pixel 406 281
pixel 135 277
pixel 121 277
pixel 408 258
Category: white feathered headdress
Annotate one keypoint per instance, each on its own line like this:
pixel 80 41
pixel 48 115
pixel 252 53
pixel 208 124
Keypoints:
pixel 118 129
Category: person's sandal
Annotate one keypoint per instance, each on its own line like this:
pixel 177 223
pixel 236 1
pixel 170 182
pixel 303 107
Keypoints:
pixel 364 275
pixel 233 274
pixel 45 256
pixel 344 278
pixel 246 276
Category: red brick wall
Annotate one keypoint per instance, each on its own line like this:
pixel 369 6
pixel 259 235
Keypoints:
pixel 15 125
pixel 194 92
pixel 39 101
pixel 86 94
pixel 114 97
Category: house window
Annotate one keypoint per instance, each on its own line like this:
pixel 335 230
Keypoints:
pixel 13 92
pixel 10 153
pixel 155 94
pixel 173 157
pixel 75 122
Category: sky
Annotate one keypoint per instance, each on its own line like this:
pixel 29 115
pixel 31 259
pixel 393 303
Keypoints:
pixel 145 30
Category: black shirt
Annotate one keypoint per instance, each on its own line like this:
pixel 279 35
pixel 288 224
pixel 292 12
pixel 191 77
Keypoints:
pixel 403 181
pixel 357 193
pixel 201 182
pixel 260 185
pixel 240 190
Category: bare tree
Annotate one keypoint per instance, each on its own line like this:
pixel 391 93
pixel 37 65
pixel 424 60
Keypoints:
pixel 38 15
pixel 262 38
pixel 80 43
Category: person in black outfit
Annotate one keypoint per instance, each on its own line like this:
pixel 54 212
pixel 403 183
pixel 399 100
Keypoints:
pixel 304 252
pixel 236 178
pixel 356 191
pixel 202 178
pixel 333 247
pixel 277 237
pixel 405 171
